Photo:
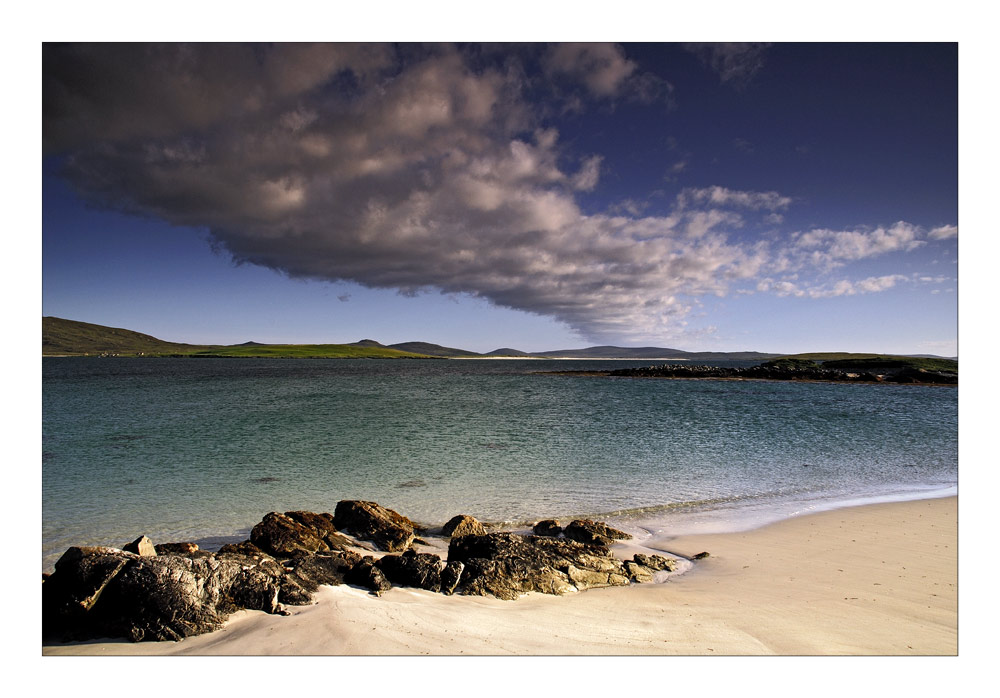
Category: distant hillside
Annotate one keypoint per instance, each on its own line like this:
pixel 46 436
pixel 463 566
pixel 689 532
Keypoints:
pixel 877 362
pixel 71 338
pixel 610 352
pixel 505 351
pixel 429 349
pixel 61 336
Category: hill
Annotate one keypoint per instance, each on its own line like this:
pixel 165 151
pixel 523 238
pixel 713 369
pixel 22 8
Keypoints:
pixel 428 349
pixel 875 363
pixel 72 338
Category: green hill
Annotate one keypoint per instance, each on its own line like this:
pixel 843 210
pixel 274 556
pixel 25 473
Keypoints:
pixel 875 362
pixel 71 338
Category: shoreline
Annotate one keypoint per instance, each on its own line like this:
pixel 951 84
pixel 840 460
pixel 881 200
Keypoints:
pixel 876 579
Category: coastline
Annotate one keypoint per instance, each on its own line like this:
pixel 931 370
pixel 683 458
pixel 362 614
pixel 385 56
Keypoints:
pixel 877 579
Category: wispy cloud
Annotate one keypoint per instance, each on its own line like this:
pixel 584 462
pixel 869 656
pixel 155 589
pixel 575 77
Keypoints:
pixel 735 63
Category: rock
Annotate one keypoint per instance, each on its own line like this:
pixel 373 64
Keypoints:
pixel 141 546
pixel 587 531
pixel 244 548
pixel 463 525
pixel 548 527
pixel 176 548
pixel 366 574
pixel 656 563
pixel 103 592
pixel 387 529
pixel 699 556
pixel 637 572
pixel 282 536
pixel 305 574
pixel 323 526
pixel 507 565
pixel 450 576
pixel 412 569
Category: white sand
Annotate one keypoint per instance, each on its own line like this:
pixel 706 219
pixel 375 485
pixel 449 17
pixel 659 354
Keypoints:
pixel 878 579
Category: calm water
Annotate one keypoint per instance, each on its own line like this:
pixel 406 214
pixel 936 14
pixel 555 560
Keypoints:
pixel 201 449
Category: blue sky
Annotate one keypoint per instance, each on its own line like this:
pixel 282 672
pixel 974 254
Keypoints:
pixel 773 197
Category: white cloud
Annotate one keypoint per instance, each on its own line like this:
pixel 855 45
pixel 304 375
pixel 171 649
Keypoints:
pixel 729 198
pixel 943 232
pixel 831 246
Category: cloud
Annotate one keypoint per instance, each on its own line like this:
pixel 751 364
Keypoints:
pixel 735 63
pixel 429 172
pixel 943 232
pixel 834 246
pixel 723 197
pixel 843 287
pixel 604 71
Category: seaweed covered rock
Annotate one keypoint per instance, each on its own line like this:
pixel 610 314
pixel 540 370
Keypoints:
pixel 463 525
pixel 507 565
pixel 387 529
pixel 587 531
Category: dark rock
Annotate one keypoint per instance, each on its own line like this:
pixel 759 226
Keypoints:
pixel 244 548
pixel 412 569
pixel 103 592
pixel 141 546
pixel 366 574
pixel 699 556
pixel 548 527
pixel 450 576
pixel 587 531
pixel 323 526
pixel 387 529
pixel 306 574
pixel 507 565
pixel 282 536
pixel 656 562
pixel 176 548
pixel 463 525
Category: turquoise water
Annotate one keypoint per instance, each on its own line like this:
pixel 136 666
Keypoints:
pixel 201 449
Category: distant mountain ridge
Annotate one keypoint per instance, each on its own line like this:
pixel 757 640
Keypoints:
pixel 71 337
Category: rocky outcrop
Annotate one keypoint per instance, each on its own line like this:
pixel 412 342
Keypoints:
pixel 548 527
pixel 463 525
pixel 413 569
pixel 387 529
pixel 183 591
pixel 105 592
pixel 867 371
pixel 366 574
pixel 305 574
pixel 281 535
pixel 587 531
pixel 507 565
pixel 297 533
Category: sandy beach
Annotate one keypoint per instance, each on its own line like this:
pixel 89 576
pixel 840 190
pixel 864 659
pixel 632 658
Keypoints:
pixel 873 580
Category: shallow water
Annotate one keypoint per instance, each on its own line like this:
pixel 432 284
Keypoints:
pixel 201 449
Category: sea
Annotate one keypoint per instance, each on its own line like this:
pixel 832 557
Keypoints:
pixel 200 450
